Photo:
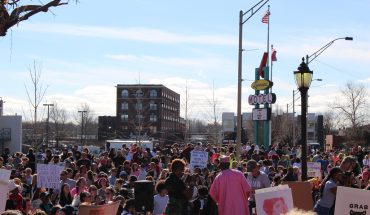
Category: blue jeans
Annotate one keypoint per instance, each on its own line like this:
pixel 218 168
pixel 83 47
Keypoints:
pixel 320 210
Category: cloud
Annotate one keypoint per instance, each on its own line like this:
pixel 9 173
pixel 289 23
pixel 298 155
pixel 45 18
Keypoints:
pixel 141 34
pixel 208 62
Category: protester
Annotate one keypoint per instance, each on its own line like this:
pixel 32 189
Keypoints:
pixel 230 190
pixel 180 188
pixel 257 180
pixel 178 192
pixel 160 199
pixel 328 191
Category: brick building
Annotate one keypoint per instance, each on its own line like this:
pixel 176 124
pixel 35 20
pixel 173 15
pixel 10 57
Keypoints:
pixel 147 110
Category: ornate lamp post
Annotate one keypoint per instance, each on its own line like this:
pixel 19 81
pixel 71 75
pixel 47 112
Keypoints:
pixel 303 78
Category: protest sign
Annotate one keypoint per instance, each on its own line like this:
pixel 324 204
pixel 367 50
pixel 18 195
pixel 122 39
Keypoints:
pixel 314 169
pixel 5 175
pixel 111 208
pixel 302 194
pixel 274 200
pixel 48 175
pixel 198 159
pixel 352 201
pixel 4 181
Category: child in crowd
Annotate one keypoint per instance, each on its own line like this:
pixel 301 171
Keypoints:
pixel 160 199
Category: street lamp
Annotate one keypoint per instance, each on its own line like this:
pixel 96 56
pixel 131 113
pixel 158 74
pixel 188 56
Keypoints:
pixel 303 78
pixel 322 49
pixel 47 124
pixel 252 10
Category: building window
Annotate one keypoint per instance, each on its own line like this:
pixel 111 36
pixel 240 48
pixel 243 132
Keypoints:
pixel 124 106
pixel 124 93
pixel 124 117
pixel 139 118
pixel 153 94
pixel 139 93
pixel 139 106
pixel 153 118
pixel 125 127
pixel 153 129
pixel 152 106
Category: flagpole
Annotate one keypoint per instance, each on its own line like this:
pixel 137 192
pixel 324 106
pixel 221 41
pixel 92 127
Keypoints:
pixel 268 34
pixel 271 67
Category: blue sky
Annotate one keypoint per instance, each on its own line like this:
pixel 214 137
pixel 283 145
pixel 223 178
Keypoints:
pixel 85 49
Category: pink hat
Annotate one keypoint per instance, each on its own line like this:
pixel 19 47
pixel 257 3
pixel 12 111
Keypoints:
pixel 224 159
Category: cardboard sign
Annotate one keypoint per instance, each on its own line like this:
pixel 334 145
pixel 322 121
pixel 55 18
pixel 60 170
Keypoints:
pixel 352 201
pixel 107 209
pixel 314 170
pixel 48 175
pixel 4 181
pixel 274 200
pixel 198 159
pixel 302 194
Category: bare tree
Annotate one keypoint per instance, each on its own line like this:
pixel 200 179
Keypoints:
pixel 331 122
pixel 352 106
pixel 58 116
pixel 87 121
pixel 214 114
pixel 35 95
pixel 12 12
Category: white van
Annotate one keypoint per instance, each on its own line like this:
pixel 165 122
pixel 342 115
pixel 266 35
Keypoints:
pixel 117 144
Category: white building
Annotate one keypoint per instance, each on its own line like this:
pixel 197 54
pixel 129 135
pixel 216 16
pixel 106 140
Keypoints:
pixel 11 133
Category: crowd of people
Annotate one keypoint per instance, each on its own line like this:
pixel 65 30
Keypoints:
pixel 225 186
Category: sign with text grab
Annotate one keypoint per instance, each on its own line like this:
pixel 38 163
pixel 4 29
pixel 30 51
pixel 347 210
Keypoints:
pixel 260 99
pixel 259 114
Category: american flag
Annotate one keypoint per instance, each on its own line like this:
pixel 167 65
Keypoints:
pixel 265 18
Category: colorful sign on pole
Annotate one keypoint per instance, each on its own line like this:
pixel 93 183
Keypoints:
pixel 259 114
pixel 261 84
pixel 260 99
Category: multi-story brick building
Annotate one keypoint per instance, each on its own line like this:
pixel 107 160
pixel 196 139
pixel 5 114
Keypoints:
pixel 147 110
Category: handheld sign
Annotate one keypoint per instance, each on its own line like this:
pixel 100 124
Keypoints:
pixel 198 159
pixel 274 200
pixel 48 175
pixel 4 183
pixel 352 201
pixel 314 169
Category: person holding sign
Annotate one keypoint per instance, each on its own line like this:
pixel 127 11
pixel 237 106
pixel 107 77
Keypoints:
pixel 230 190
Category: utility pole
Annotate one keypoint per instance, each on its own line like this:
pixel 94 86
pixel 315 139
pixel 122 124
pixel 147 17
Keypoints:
pixel 47 124
pixel 187 125
pixel 82 124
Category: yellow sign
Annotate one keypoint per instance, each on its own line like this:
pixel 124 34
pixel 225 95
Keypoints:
pixel 261 84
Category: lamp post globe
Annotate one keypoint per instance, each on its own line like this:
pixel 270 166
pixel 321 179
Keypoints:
pixel 303 79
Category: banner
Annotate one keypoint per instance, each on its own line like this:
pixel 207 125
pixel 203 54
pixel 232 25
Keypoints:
pixel 198 159
pixel 352 201
pixel 107 209
pixel 274 200
pixel 314 169
pixel 48 175
pixel 4 183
